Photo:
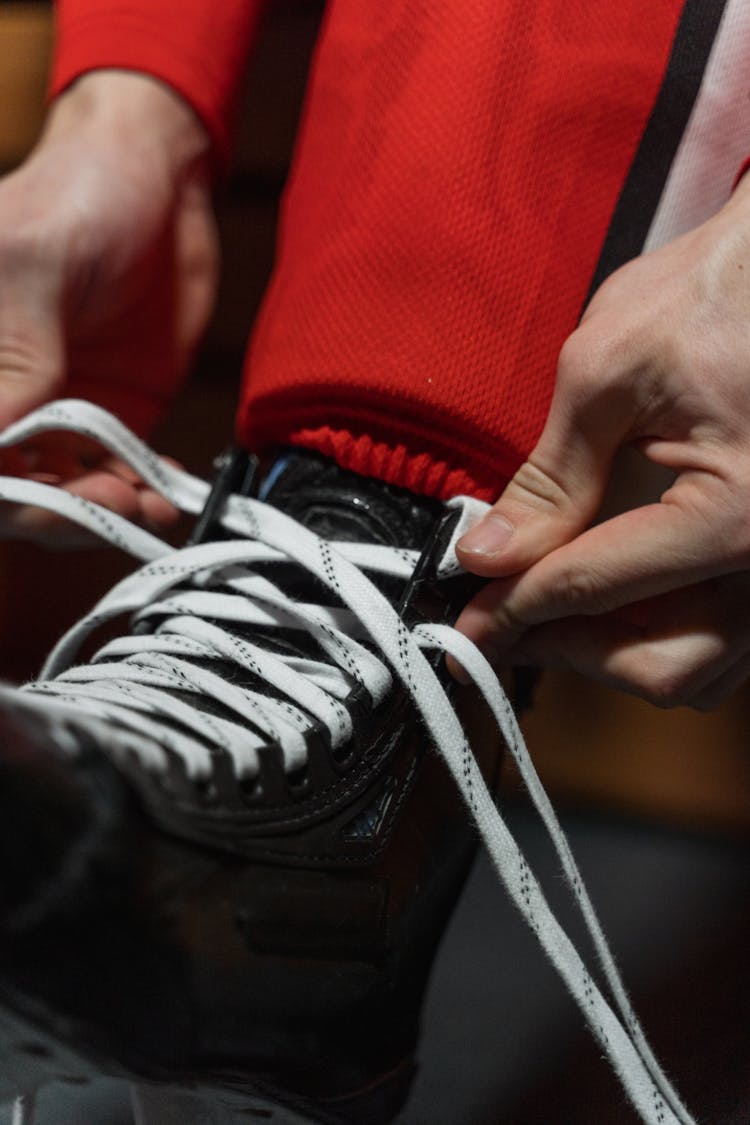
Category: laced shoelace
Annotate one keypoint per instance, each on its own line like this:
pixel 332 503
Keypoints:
pixel 127 689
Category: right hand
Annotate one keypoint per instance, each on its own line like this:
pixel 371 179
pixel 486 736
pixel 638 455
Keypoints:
pixel 108 271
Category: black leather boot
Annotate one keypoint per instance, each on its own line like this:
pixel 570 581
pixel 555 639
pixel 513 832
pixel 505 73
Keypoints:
pixel 215 880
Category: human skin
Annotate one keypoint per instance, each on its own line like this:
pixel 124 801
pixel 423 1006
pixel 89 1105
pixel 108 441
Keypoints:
pixel 108 266
pixel 111 216
pixel 653 600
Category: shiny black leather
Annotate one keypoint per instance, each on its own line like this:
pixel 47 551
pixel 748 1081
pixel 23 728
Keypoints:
pixel 283 943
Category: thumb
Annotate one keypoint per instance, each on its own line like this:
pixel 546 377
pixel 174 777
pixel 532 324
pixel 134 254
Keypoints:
pixel 32 352
pixel 558 490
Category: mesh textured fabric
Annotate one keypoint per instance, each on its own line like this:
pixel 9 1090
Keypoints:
pixel 455 177
pixel 456 173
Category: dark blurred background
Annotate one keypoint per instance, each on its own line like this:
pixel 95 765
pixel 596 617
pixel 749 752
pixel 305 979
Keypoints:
pixel 657 803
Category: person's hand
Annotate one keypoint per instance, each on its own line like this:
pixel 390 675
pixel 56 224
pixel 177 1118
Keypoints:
pixel 108 268
pixel 656 600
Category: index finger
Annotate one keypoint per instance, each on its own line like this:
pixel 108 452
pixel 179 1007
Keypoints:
pixel 689 536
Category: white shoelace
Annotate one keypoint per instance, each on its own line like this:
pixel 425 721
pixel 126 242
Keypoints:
pixel 126 690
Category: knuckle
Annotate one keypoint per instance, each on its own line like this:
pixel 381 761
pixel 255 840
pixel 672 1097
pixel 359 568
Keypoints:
pixel 647 675
pixel 584 363
pixel 24 362
pixel 614 364
pixel 573 361
pixel 582 591
pixel 508 620
pixel 535 483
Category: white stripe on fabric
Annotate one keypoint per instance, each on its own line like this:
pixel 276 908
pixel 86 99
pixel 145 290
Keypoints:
pixel 716 140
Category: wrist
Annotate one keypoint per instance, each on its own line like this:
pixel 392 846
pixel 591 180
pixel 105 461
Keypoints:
pixel 139 114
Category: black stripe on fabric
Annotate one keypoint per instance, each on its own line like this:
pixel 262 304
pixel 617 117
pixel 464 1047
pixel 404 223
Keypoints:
pixel 639 198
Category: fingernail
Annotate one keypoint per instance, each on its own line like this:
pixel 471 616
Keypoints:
pixel 489 537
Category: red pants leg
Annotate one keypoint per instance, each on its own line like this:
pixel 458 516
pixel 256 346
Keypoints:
pixel 456 173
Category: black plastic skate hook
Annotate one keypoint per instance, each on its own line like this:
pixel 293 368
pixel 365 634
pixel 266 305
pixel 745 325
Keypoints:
pixel 428 562
pixel 525 679
pixel 236 473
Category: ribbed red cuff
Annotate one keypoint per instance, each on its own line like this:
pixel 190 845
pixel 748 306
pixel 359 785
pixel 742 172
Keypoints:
pixel 423 473
pixel 198 47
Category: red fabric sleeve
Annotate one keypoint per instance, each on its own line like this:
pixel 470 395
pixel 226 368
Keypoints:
pixel 454 182
pixel 198 47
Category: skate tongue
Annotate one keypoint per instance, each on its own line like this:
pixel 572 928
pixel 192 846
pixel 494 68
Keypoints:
pixel 341 505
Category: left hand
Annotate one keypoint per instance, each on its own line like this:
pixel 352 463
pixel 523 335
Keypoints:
pixel 108 272
pixel 655 601
pixel 83 468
